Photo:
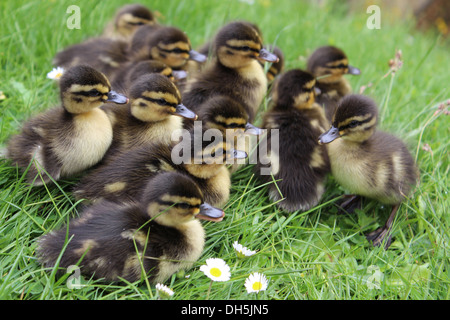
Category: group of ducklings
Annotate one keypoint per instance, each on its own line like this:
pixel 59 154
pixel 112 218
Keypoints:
pixel 142 217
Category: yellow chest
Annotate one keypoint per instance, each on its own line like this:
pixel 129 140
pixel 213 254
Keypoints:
pixel 87 144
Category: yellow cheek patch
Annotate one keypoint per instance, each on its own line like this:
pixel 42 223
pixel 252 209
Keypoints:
pixel 181 199
pixel 227 121
pixel 244 43
pixel 356 118
pixel 176 45
pixel 310 84
pixel 337 62
pixel 161 95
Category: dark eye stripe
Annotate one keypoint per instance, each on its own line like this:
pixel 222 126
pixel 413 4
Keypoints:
pixel 354 124
pixel 161 102
pixel 91 93
pixel 243 48
pixel 176 50
pixel 340 66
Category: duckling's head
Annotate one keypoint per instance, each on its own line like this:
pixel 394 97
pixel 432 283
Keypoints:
pixel 239 43
pixel 130 17
pixel 154 98
pixel 173 198
pixel 294 88
pixel 224 113
pixel 329 64
pixel 167 44
pixel 203 152
pixel 82 88
pixel 355 120
pixel 276 67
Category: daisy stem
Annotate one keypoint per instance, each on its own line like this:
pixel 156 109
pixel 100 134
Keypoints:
pixel 209 290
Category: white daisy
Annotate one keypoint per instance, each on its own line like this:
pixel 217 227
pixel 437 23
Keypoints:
pixel 163 291
pixel 241 251
pixel 216 269
pixel 56 73
pixel 256 282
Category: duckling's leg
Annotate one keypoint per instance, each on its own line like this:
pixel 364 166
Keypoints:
pixel 377 237
pixel 350 203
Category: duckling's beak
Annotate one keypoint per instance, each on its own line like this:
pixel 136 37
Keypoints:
pixel 179 74
pixel 251 129
pixel 266 55
pixel 238 154
pixel 317 91
pixel 183 111
pixel 210 213
pixel 116 97
pixel 329 136
pixel 353 70
pixel 197 56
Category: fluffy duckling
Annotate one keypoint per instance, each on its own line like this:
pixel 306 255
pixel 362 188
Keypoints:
pixel 167 44
pixel 132 70
pixel 155 237
pixel 368 162
pixel 153 114
pixel 328 64
pixel 299 165
pixel 69 139
pixel 194 154
pixel 127 20
pixel 234 71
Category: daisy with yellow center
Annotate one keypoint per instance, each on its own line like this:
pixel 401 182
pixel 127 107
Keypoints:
pixel 56 73
pixel 163 291
pixel 216 269
pixel 241 251
pixel 256 282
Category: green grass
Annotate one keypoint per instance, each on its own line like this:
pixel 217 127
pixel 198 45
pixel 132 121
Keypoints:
pixel 305 255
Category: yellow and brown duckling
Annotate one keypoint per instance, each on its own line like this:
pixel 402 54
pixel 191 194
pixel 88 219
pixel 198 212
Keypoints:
pixel 167 44
pixel 234 70
pixel 127 20
pixel 66 140
pixel 132 70
pixel 153 114
pixel 194 154
pixel 328 64
pixel 299 165
pixel 155 237
pixel 367 162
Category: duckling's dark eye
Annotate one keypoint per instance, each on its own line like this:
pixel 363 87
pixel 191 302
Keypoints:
pixel 353 124
pixel 233 126
pixel 183 205
pixel 178 50
pixel 245 48
pixel 94 93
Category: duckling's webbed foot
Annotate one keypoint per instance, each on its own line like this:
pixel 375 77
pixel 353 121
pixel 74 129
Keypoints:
pixel 378 236
pixel 350 204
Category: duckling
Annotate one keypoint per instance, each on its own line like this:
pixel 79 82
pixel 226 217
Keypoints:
pixel 132 70
pixel 299 165
pixel 154 112
pixel 155 237
pixel 328 64
pixel 367 162
pixel 167 44
pixel 193 154
pixel 127 20
pixel 66 140
pixel 234 71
